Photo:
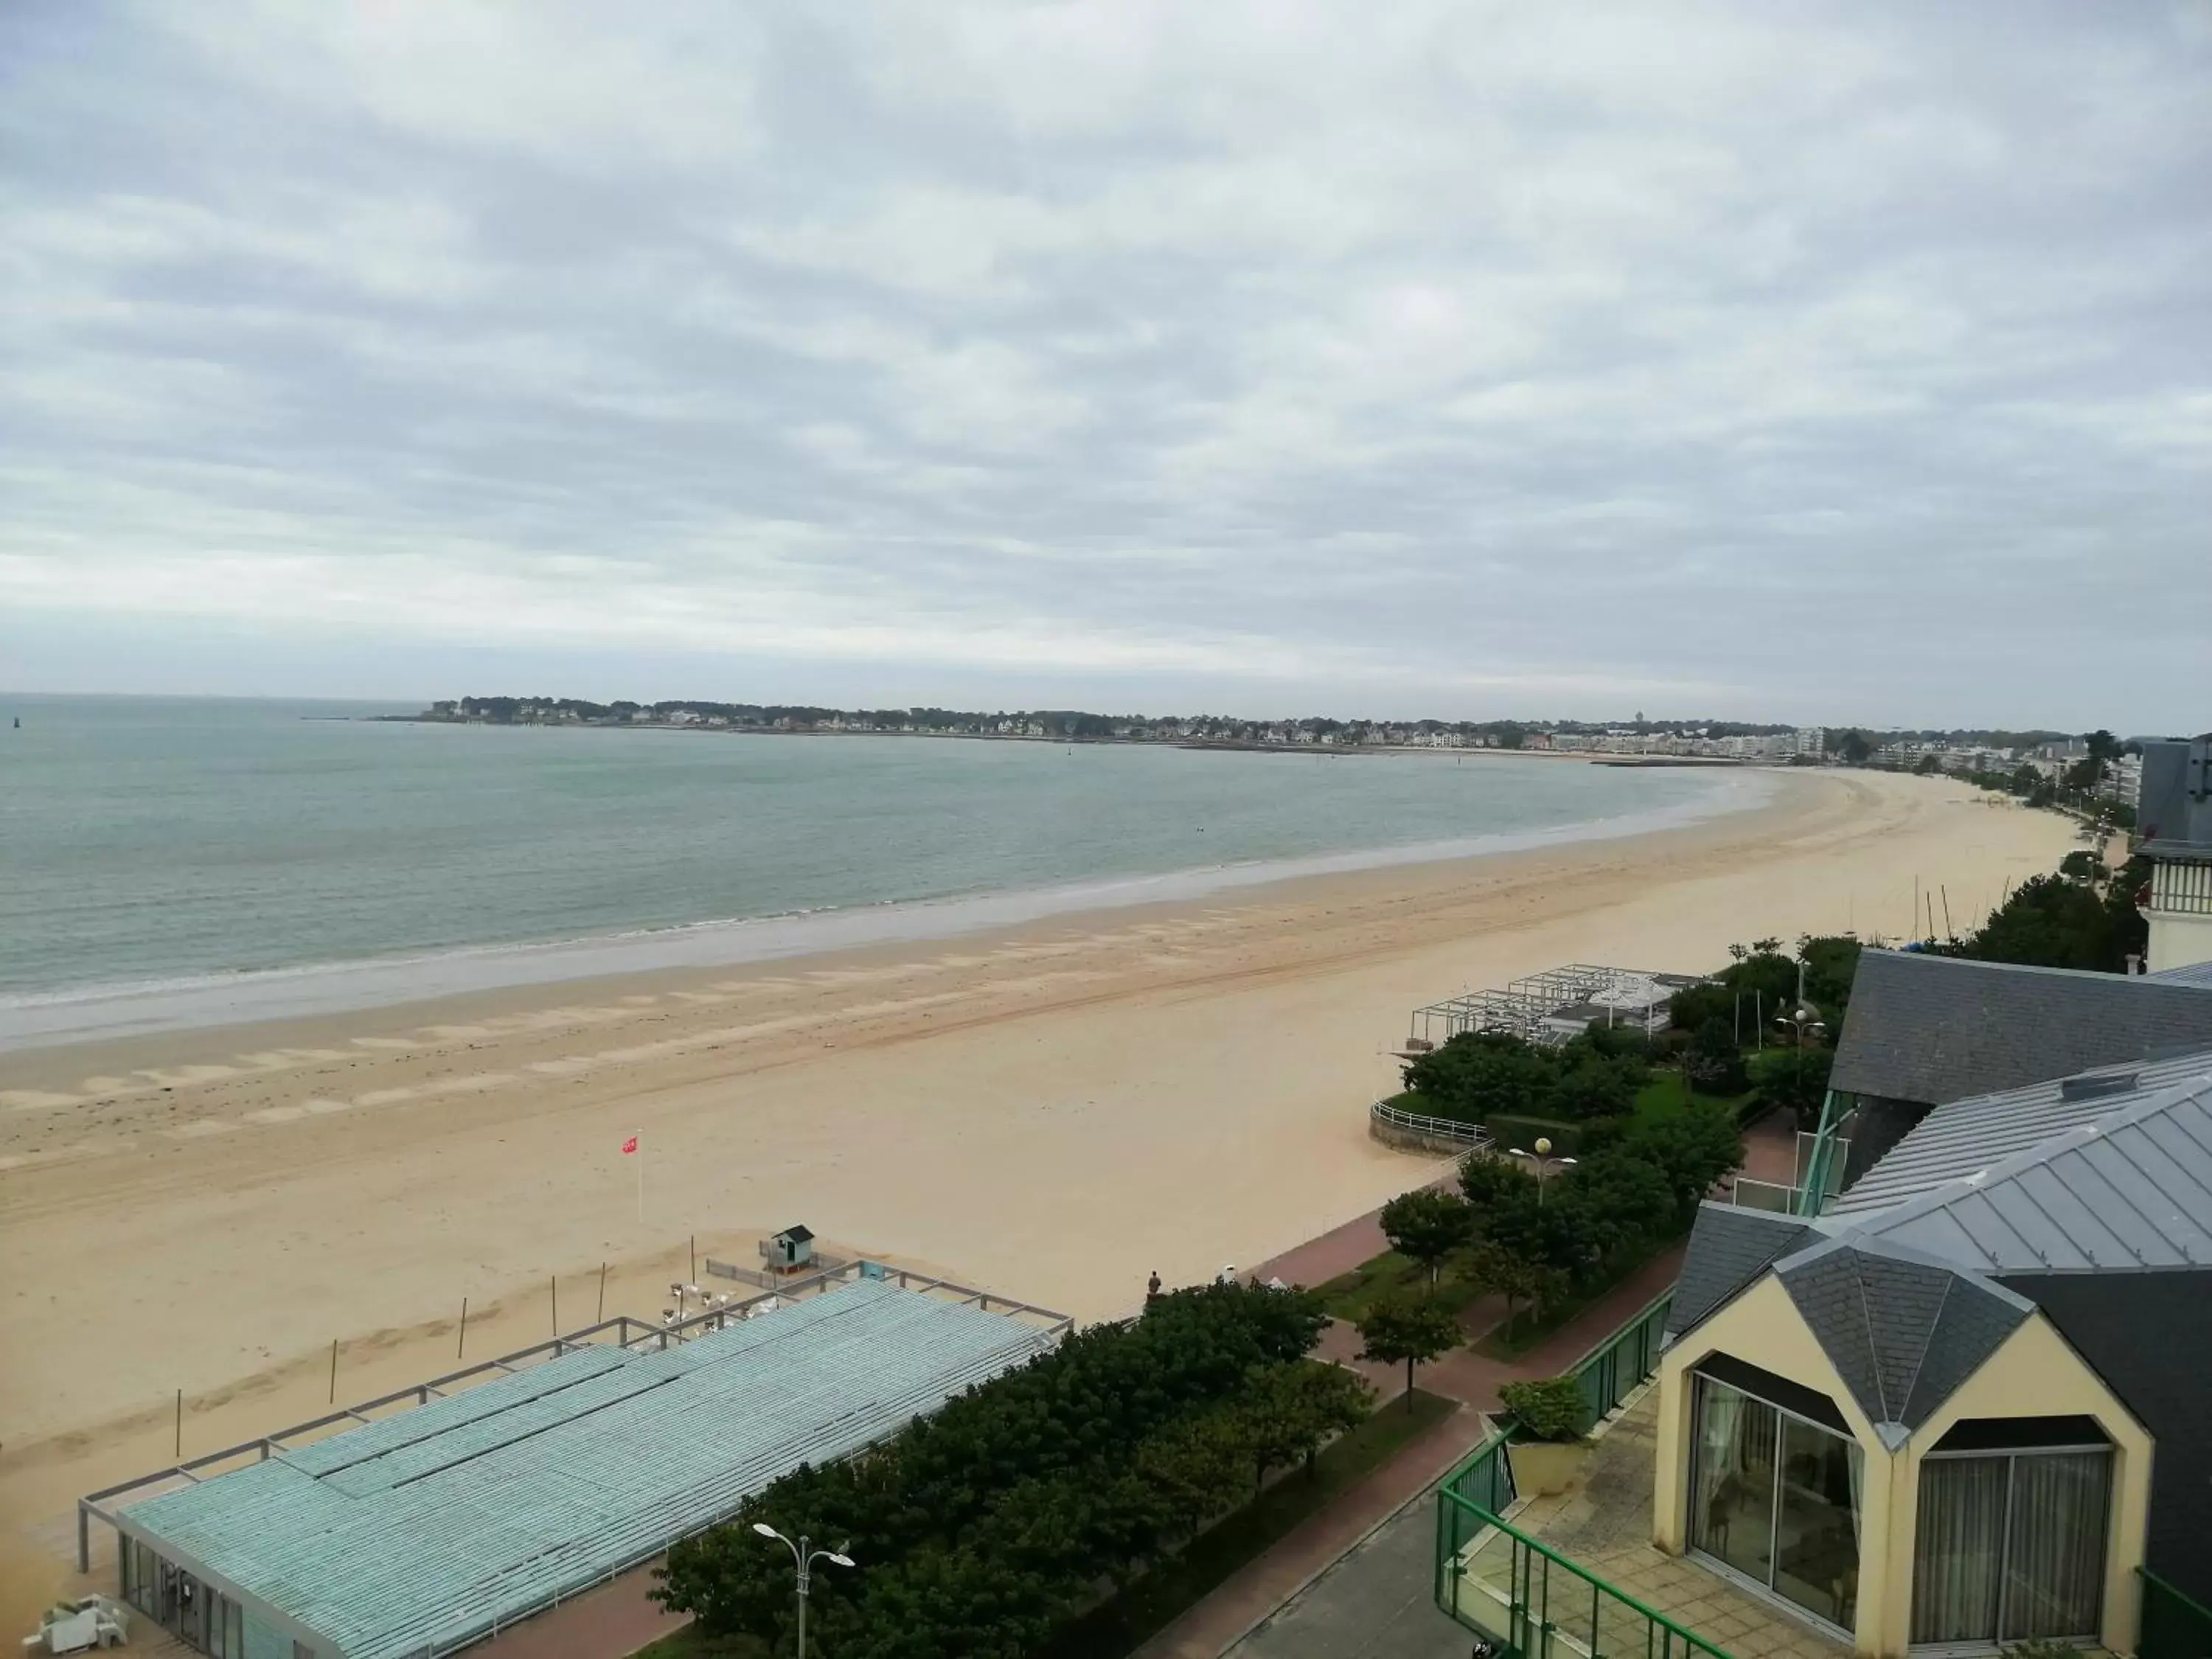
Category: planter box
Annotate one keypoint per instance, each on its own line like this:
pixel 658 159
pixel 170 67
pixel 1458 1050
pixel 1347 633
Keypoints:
pixel 1543 1467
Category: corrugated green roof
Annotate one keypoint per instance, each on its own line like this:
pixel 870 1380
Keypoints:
pixel 420 1531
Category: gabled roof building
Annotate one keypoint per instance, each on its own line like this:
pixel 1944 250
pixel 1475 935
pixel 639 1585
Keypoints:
pixel 1966 1405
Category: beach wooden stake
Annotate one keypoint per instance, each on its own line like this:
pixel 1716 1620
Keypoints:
pixel 554 1283
pixel 334 1371
pixel 180 1425
pixel 600 1316
pixel 462 1346
pixel 694 1278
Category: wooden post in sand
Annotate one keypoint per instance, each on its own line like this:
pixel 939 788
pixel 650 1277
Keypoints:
pixel 461 1347
pixel 555 1281
pixel 693 1279
pixel 334 1371
pixel 180 1425
pixel 601 1317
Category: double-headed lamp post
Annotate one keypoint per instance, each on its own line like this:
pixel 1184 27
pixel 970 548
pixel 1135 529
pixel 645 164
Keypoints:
pixel 1545 1163
pixel 803 1555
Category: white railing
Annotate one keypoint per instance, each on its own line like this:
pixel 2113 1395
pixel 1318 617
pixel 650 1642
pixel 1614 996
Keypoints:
pixel 1467 1137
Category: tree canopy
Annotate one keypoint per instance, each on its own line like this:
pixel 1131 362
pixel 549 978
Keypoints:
pixel 1479 1075
pixel 1408 1330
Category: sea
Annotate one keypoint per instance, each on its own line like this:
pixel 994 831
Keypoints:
pixel 173 862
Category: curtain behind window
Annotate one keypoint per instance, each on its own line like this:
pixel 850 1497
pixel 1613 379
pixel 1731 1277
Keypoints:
pixel 1956 1557
pixel 2055 1566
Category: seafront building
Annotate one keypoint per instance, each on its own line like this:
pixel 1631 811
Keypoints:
pixel 2175 814
pixel 1953 1401
pixel 423 1522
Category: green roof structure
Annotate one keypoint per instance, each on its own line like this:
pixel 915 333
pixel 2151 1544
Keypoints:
pixel 420 1532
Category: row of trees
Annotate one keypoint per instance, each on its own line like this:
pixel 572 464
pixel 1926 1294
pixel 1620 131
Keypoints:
pixel 1507 1233
pixel 1027 1500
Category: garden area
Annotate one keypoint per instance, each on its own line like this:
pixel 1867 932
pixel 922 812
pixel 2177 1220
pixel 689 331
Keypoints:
pixel 1636 1131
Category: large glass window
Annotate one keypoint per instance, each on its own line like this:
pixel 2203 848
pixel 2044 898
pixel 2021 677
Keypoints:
pixel 2011 1546
pixel 1775 1498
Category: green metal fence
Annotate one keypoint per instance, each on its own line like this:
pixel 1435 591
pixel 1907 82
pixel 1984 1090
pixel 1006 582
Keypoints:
pixel 1536 1604
pixel 2174 1626
pixel 1519 1593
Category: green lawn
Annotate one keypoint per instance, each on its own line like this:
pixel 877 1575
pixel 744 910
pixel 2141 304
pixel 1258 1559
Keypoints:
pixel 1349 1296
pixel 1118 1627
pixel 1666 1097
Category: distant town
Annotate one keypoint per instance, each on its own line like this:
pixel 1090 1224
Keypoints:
pixel 2051 757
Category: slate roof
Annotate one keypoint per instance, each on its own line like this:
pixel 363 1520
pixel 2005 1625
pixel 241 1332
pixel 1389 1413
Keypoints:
pixel 1729 1248
pixel 1969 1137
pixel 2195 973
pixel 1902 1331
pixel 2129 1190
pixel 1937 1029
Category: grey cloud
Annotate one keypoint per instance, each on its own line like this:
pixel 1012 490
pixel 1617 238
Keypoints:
pixel 1853 364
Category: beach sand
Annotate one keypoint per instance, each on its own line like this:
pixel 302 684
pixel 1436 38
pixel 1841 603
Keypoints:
pixel 1051 1111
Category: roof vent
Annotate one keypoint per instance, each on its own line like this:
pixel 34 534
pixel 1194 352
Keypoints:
pixel 2096 1088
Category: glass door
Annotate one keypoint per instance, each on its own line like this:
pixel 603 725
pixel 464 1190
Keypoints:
pixel 1775 1498
pixel 2011 1547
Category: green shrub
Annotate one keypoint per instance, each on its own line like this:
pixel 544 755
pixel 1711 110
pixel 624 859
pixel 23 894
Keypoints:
pixel 1552 1409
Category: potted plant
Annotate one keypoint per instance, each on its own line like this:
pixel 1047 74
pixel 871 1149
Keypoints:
pixel 1549 1451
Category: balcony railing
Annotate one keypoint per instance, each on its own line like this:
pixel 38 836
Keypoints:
pixel 1523 1595
pixel 2174 1626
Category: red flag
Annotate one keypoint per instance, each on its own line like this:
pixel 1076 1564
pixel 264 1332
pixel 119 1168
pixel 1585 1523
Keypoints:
pixel 631 1145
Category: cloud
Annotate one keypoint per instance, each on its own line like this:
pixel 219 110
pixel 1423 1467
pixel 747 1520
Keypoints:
pixel 1847 364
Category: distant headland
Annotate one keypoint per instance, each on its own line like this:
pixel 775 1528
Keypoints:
pixel 1685 739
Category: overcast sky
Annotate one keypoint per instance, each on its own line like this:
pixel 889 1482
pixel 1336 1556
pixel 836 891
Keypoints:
pixel 1843 363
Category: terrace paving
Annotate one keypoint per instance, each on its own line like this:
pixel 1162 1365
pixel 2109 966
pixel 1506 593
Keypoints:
pixel 1604 1525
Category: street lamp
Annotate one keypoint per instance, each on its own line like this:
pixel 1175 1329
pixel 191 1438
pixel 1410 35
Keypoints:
pixel 803 1555
pixel 1545 1163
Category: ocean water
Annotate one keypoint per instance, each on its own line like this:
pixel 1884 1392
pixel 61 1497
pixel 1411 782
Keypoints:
pixel 168 861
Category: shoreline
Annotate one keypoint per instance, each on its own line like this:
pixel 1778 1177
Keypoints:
pixel 106 1011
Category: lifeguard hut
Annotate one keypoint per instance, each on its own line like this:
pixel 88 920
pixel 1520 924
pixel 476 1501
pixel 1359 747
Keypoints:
pixel 788 1251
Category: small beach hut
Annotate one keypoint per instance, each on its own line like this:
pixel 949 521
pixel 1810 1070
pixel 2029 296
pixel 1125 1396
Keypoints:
pixel 792 1248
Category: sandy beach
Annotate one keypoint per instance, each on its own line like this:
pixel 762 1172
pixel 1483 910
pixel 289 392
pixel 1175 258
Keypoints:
pixel 1051 1110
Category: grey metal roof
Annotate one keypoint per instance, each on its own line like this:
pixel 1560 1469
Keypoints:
pixel 1970 1136
pixel 1936 1028
pixel 2195 972
pixel 423 1531
pixel 1903 1332
pixel 1729 1248
pixel 2128 1190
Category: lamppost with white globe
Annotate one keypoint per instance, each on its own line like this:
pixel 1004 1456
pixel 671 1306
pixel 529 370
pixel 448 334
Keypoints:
pixel 1545 1163
pixel 803 1555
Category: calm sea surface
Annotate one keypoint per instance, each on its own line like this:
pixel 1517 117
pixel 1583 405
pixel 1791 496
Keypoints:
pixel 174 845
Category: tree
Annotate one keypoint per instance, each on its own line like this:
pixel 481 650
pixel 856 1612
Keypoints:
pixel 1930 764
pixel 1404 1328
pixel 1853 747
pixel 1426 1225
pixel 1713 1061
pixel 1291 1409
pixel 2052 921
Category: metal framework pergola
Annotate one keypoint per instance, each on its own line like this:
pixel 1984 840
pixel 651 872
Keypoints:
pixel 1524 1005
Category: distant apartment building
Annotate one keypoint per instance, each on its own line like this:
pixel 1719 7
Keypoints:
pixel 1811 741
pixel 2175 815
